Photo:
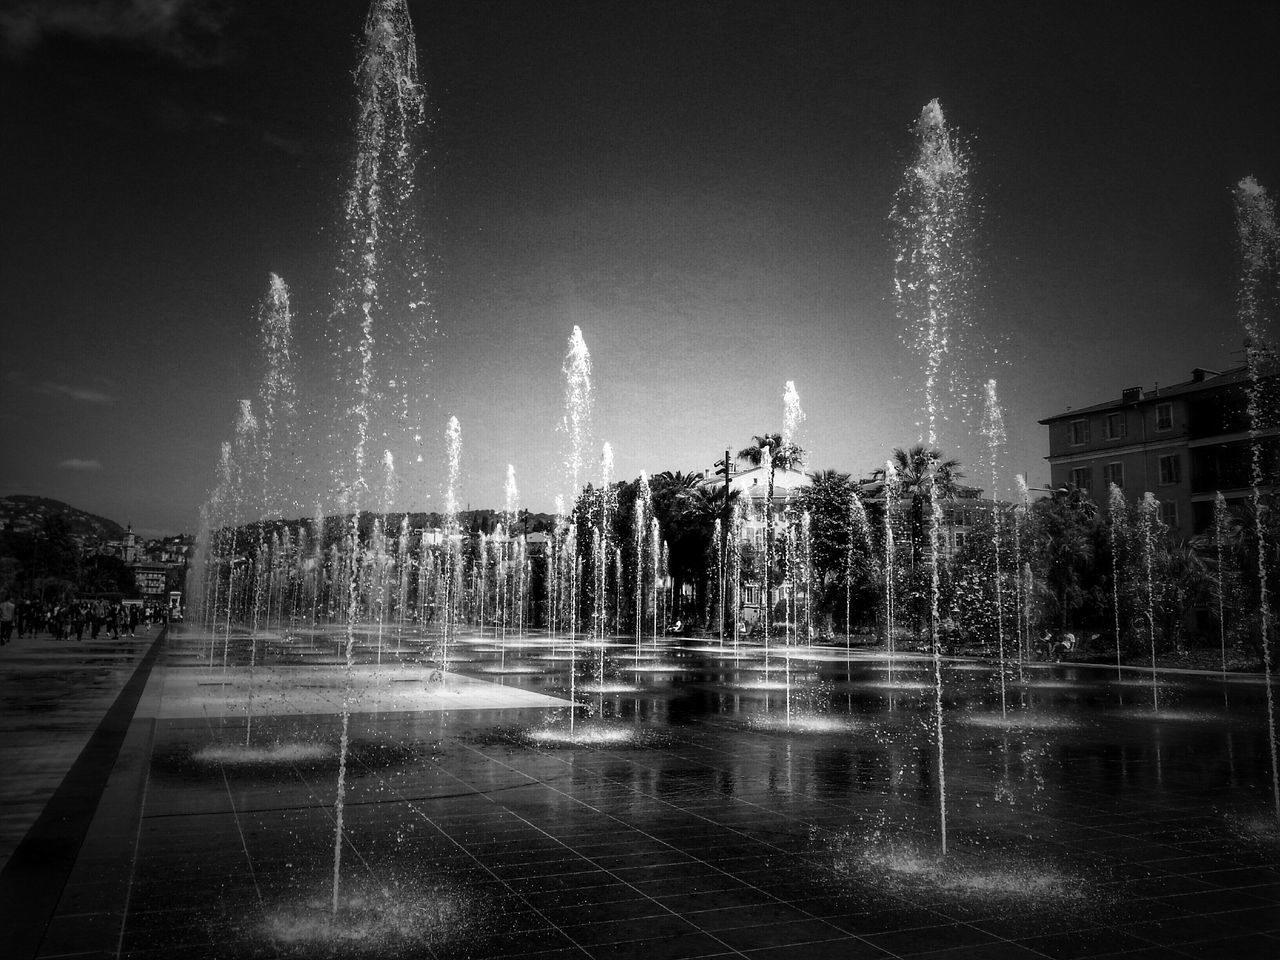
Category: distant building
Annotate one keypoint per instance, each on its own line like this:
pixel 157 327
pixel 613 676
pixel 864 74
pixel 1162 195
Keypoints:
pixel 960 514
pixel 128 548
pixel 1184 443
pixel 752 485
pixel 152 578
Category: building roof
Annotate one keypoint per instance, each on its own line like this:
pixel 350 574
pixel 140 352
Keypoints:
pixel 1200 380
pixel 754 482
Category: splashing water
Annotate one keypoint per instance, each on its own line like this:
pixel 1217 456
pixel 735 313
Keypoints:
pixel 792 415
pixel 892 490
pixel 608 505
pixel 931 214
pixel 993 429
pixel 981 876
pixel 278 394
pixel 1221 519
pixel 1117 511
pixel 391 109
pixel 1257 305
pixel 577 403
pixel 1150 523
pixel 642 506
pixel 511 497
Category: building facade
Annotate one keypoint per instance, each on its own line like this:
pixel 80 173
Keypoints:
pixel 759 514
pixel 1184 444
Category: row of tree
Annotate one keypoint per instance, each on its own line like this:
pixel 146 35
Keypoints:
pixel 1060 563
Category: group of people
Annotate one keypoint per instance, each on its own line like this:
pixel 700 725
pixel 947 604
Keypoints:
pixel 72 619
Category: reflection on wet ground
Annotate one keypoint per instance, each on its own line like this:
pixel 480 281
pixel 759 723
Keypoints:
pixel 698 803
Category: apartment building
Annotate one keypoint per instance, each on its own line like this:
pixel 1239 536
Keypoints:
pixel 1184 443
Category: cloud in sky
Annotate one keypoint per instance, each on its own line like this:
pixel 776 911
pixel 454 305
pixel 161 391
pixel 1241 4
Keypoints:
pixel 188 31
pixel 55 389
pixel 75 463
pixel 86 394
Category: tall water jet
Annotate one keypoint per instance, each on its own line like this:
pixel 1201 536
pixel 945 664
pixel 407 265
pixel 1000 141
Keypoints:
pixel 451 548
pixel 792 415
pixel 1024 580
pixel 278 393
pixel 655 561
pixel 608 506
pixel 735 578
pixel 617 591
pixel 510 507
pixel 577 426
pixel 402 568
pixel 242 454
pixel 1258 306
pixel 859 530
pixel 719 559
pixel 892 491
pixel 377 212
pixel 1221 519
pixel 1117 510
pixel 379 545
pixel 643 503
pixel 577 403
pixel 806 569
pixel 931 213
pixel 1150 524
pixel 993 429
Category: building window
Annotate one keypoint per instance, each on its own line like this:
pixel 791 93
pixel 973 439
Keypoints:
pixel 1113 473
pixel 959 540
pixel 1082 478
pixel 1170 469
pixel 1164 416
pixel 1169 515
pixel 1114 427
pixel 1079 432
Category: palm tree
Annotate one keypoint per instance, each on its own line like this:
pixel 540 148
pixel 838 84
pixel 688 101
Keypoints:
pixel 671 491
pixel 925 477
pixel 789 457
pixel 701 509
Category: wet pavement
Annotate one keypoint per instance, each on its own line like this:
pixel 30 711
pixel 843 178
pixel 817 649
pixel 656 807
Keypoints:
pixel 53 695
pixel 696 804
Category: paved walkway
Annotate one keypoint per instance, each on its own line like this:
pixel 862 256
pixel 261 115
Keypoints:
pixel 68 709
pixel 53 696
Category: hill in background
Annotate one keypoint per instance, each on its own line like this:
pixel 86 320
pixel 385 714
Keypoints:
pixel 27 513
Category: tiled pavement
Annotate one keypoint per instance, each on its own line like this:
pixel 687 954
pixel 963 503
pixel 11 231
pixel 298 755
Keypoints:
pixel 704 836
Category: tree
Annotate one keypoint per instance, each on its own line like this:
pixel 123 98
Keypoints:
pixel 103 574
pixel 788 456
pixel 702 508
pixel 925 478
pixel 1067 529
pixel 842 558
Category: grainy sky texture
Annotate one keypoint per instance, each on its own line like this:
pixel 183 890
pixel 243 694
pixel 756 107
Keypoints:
pixel 703 187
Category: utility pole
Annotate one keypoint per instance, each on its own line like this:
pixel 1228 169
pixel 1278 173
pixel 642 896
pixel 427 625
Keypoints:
pixel 725 466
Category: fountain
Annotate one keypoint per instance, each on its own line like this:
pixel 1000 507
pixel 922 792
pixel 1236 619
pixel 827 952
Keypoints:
pixel 930 279
pixel 1116 518
pixel 643 504
pixel 1221 517
pixel 365 582
pixel 993 428
pixel 1259 244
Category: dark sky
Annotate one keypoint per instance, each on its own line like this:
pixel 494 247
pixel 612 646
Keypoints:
pixel 702 187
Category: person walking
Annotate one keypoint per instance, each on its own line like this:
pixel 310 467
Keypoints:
pixel 7 614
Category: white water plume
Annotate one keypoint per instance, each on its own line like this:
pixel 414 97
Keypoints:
pixel 577 407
